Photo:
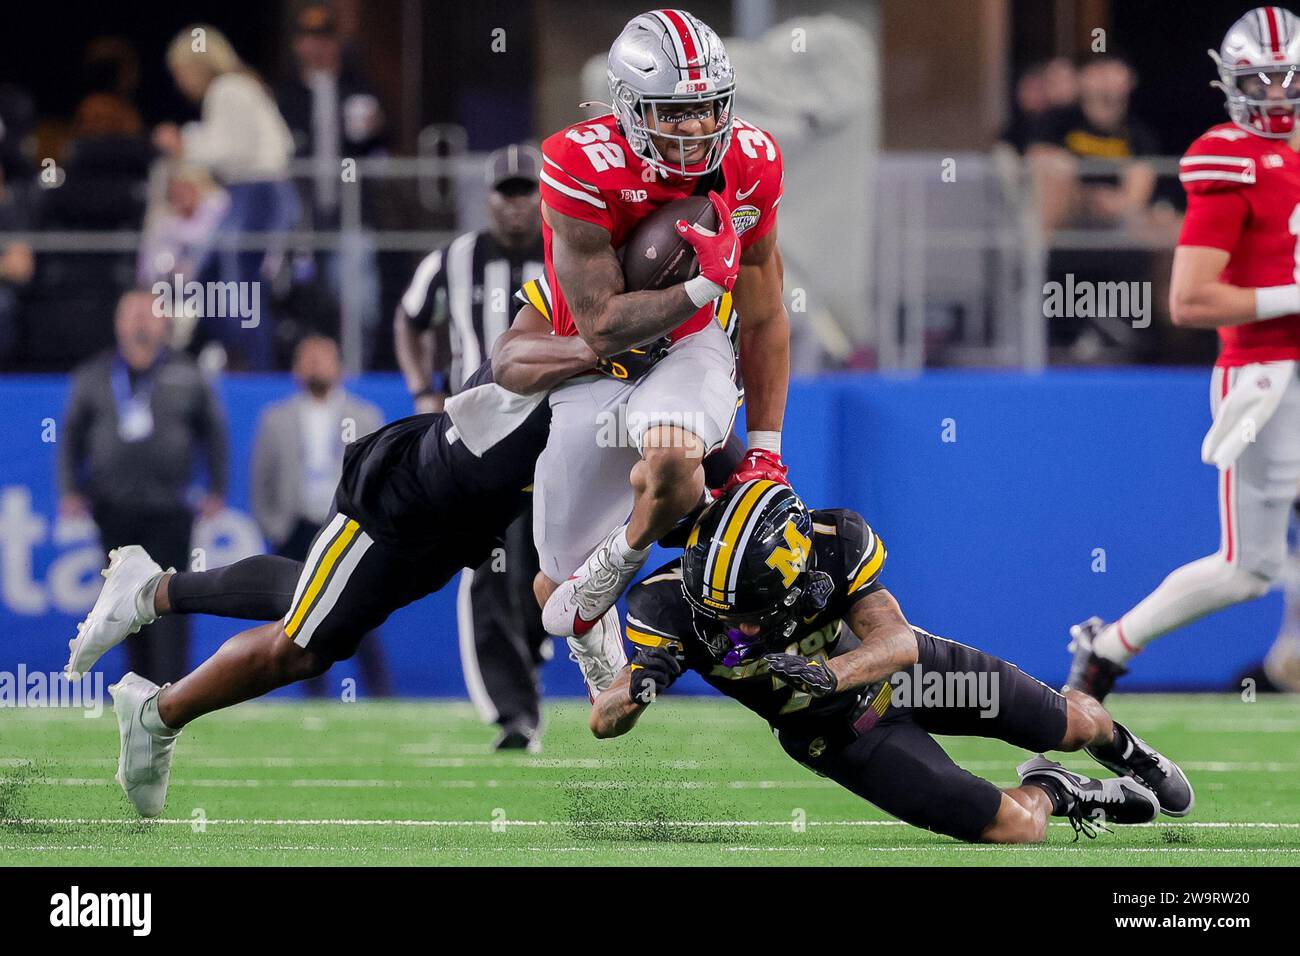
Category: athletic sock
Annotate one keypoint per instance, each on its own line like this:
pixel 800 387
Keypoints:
pixel 624 551
pixel 1111 644
pixel 152 722
pixel 144 608
pixel 259 588
pixel 1115 749
pixel 1188 593
pixel 1061 799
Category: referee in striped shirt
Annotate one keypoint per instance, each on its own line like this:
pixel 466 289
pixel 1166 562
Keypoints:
pixel 457 304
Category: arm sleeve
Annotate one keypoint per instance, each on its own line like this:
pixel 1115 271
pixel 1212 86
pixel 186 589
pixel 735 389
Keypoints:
pixel 565 191
pixel 773 189
pixel 647 624
pixel 1214 219
pixel 224 137
pixel 863 555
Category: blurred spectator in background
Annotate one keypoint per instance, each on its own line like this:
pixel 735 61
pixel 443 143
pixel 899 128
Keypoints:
pixel 333 114
pixel 331 110
pixel 459 301
pixel 1098 128
pixel 297 463
pixel 1086 163
pixel 16 266
pixel 138 420
pixel 178 235
pixel 242 139
pixel 1043 87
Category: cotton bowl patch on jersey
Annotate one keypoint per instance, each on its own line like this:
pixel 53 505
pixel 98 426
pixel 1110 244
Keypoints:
pixel 744 218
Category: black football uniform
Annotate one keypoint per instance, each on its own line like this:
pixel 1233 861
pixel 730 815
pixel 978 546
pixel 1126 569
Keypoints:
pixel 874 741
pixel 413 507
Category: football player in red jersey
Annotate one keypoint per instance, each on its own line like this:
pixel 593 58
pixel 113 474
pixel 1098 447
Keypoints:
pixel 1236 270
pixel 671 134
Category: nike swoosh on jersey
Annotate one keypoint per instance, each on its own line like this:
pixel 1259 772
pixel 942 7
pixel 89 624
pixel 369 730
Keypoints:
pixel 742 195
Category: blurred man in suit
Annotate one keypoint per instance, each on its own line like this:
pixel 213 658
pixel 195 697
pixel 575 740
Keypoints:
pixel 139 418
pixel 297 461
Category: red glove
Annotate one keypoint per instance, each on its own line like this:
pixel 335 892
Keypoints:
pixel 758 463
pixel 718 253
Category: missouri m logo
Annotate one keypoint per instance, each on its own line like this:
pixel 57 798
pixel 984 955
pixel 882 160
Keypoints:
pixel 792 558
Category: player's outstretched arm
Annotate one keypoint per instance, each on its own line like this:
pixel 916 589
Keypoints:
pixel 764 335
pixel 608 319
pixel 888 646
pixel 888 643
pixel 652 671
pixel 1198 299
pixel 528 357
pixel 615 712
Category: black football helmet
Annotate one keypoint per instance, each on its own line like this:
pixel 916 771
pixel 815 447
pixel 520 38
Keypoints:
pixel 749 560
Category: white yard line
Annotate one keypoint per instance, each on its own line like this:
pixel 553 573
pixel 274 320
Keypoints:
pixel 780 824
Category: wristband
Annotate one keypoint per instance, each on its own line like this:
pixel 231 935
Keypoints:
pixel 768 441
pixel 702 291
pixel 1275 301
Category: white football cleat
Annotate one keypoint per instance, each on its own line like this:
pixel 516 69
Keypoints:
pixel 600 653
pixel 579 603
pixel 144 764
pixel 116 614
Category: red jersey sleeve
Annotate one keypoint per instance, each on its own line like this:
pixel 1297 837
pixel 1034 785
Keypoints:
pixel 759 185
pixel 1214 219
pixel 567 187
pixel 1216 171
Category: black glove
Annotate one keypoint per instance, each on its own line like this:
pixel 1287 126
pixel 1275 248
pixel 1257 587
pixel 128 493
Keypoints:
pixel 810 677
pixel 629 366
pixel 653 671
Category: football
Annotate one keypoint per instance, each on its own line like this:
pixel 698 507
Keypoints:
pixel 656 256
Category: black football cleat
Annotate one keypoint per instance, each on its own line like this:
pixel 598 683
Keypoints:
pixel 1139 759
pixel 1089 673
pixel 1089 803
pixel 518 736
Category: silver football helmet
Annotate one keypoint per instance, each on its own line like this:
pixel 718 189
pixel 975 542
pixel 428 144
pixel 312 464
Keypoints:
pixel 1259 71
pixel 667 68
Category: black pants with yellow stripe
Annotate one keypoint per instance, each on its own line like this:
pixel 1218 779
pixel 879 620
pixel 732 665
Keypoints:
pixel 902 769
pixel 351 583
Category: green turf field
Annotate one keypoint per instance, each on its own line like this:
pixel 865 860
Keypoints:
pixel 700 782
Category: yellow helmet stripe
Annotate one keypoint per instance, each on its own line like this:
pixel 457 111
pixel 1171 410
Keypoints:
pixel 723 554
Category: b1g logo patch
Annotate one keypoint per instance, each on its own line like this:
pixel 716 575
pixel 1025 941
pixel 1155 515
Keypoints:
pixel 744 218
